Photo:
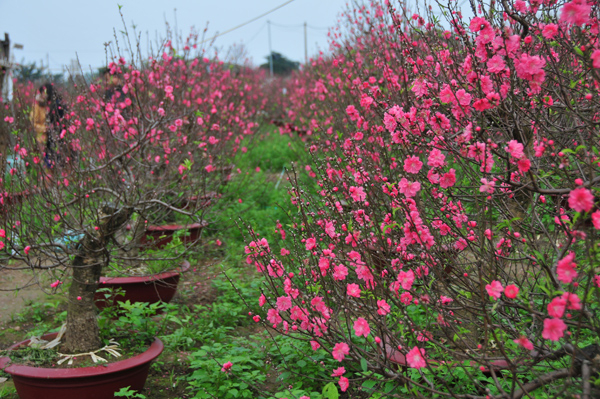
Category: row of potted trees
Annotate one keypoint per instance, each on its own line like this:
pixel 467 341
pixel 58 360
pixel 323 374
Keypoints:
pixel 127 171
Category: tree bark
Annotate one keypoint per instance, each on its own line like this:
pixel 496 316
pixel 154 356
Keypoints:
pixel 82 334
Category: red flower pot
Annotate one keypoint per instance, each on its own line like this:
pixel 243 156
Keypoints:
pixel 152 289
pixel 97 382
pixel 159 236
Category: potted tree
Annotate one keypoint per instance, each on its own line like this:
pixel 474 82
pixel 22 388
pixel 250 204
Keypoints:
pixel 118 156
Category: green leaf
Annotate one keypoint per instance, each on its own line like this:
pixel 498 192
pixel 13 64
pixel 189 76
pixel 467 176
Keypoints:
pixel 363 364
pixel 369 384
pixel 284 376
pixel 330 391
pixel 301 363
pixel 389 387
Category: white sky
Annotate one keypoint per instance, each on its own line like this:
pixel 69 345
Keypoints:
pixel 55 31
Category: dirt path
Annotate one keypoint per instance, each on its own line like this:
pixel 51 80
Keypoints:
pixel 18 289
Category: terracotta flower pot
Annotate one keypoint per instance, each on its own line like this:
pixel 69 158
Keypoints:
pixel 152 289
pixel 97 382
pixel 158 236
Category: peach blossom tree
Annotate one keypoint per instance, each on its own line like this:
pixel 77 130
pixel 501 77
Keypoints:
pixel 451 247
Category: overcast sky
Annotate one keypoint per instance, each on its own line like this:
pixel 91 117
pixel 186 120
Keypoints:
pixel 59 31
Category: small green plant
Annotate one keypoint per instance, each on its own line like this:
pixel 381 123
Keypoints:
pixel 131 317
pixel 248 367
pixel 129 393
pixel 155 261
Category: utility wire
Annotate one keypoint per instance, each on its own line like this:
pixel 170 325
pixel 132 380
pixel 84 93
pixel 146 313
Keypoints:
pixel 257 33
pixel 298 26
pixel 246 23
pixel 287 26
pixel 317 27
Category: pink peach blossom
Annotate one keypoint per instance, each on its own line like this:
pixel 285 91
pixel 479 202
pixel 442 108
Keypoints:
pixel 226 367
pixel 408 188
pixel 566 269
pixel 596 219
pixel 572 301
pixel 549 31
pixel 383 307
pixel 436 158
pixel 595 58
pixel 353 290
pixel 494 289
pixel 358 193
pixel 576 12
pixel 524 342
pixel 361 327
pixel 340 350
pixel 344 383
pixel 311 243
pixel 554 329
pixel 556 308
pixel 581 199
pixel 406 279
pixel 415 358
pixel 412 164
pixel 511 291
pixel 448 179
pixel 487 186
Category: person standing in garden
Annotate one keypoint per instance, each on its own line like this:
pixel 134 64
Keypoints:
pixel 46 116
pixel 114 87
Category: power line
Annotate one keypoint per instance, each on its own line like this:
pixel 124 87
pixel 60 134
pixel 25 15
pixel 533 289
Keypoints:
pixel 287 26
pixel 247 22
pixel 298 26
pixel 257 33
pixel 317 27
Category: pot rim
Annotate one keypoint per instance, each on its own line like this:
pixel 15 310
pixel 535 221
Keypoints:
pixel 184 267
pixel 14 369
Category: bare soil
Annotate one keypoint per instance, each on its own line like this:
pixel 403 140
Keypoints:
pixel 21 287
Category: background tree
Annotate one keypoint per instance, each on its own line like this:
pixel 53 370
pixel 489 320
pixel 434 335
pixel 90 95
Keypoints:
pixel 26 72
pixel 281 65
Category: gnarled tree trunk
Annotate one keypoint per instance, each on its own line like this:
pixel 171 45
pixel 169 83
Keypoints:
pixel 82 333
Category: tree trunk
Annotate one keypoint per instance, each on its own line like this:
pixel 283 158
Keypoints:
pixel 82 334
